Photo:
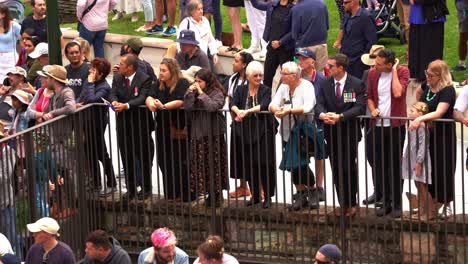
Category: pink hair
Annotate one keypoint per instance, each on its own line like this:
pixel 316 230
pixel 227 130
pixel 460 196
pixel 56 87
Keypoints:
pixel 163 237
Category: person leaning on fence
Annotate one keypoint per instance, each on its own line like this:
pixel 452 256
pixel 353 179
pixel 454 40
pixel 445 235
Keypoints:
pixel 307 62
pixel 104 249
pixel 63 102
pixel 134 125
pixel 237 79
pixel 212 251
pixel 293 103
pixel 416 162
pixel 47 248
pixel 166 97
pixel 253 144
pixel 341 101
pixel 96 88
pixel 439 94
pixel 459 111
pixel 328 253
pixel 164 250
pixel 190 53
pixel 208 161
pixel 386 90
pixel 40 102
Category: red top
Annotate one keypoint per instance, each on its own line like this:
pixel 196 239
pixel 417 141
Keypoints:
pixel 397 105
pixel 42 102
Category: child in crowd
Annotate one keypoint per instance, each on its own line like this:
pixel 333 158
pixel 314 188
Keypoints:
pixel 416 162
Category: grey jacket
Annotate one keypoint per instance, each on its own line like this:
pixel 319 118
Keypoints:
pixel 116 256
pixel 206 120
pixel 63 103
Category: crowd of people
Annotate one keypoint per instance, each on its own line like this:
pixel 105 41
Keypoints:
pixel 316 103
pixel 104 249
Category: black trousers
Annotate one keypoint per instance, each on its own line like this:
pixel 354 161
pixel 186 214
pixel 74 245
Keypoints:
pixel 357 68
pixel 136 147
pixel 96 151
pixel 342 154
pixel 388 147
pixel 275 58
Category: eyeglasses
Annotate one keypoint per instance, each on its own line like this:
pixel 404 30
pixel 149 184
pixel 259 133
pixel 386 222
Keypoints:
pixel 430 74
pixel 45 258
pixel 287 73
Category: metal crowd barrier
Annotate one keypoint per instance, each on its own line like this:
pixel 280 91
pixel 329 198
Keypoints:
pixel 131 173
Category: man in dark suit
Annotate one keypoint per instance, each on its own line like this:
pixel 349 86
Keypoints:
pixel 341 99
pixel 134 125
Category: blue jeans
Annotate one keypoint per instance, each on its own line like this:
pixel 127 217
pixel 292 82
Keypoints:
pixel 218 22
pixel 41 200
pixel 8 228
pixel 95 38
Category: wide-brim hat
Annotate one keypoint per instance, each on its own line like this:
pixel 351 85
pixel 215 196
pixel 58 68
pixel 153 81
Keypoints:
pixel 57 72
pixel 369 58
pixel 22 96
pixel 187 36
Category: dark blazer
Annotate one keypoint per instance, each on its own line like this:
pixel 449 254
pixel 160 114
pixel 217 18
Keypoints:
pixel 135 117
pixel 240 97
pixel 139 89
pixel 326 102
pixel 286 40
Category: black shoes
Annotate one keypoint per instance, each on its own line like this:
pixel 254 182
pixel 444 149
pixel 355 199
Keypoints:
pixel 265 205
pixel 143 195
pixel 299 201
pixel 372 200
pixel 383 211
pixel 316 196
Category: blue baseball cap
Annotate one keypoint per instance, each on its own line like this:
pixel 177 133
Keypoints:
pixel 306 52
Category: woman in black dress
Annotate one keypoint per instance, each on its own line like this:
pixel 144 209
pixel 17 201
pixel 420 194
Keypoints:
pixel 254 135
pixel 439 94
pixel 165 98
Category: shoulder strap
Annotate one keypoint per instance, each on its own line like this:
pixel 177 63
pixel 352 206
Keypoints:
pixel 88 9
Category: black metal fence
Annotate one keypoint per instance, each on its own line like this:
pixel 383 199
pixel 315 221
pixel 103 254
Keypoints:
pixel 131 173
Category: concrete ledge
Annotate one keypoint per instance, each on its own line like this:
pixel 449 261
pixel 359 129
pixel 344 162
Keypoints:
pixel 154 50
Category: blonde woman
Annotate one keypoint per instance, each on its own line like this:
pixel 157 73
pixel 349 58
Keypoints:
pixel 439 95
pixel 85 49
pixel 165 98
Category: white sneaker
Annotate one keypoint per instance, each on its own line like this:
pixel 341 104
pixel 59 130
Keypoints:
pixel 117 16
pixel 253 50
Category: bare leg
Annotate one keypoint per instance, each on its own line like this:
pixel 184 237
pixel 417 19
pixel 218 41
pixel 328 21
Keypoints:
pixel 171 11
pixel 234 15
pixel 319 172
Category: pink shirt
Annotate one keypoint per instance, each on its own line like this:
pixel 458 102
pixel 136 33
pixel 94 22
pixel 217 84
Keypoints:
pixel 96 18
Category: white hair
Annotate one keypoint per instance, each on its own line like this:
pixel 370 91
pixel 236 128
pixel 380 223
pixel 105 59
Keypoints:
pixel 254 66
pixel 292 67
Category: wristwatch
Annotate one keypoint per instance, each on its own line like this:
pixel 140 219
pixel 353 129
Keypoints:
pixel 341 117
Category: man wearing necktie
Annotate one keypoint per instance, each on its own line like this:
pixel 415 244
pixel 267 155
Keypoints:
pixel 341 100
pixel 134 126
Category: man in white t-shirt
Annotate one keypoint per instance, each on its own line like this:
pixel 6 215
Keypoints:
pixel 386 89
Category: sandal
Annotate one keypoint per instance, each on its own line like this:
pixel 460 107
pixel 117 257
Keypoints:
pixel 240 192
pixel 234 49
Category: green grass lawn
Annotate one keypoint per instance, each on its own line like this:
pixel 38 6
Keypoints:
pixel 125 26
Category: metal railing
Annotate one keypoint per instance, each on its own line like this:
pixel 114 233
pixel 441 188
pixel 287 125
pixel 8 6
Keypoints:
pixel 131 173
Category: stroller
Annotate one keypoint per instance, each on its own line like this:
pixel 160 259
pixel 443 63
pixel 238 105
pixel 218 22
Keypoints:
pixel 387 21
